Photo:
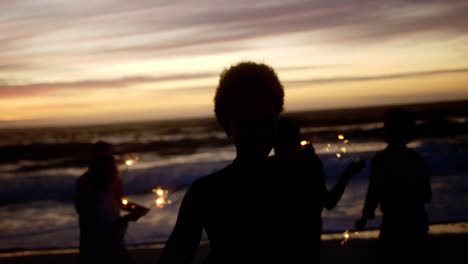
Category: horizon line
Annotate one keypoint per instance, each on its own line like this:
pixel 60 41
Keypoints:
pixel 4 125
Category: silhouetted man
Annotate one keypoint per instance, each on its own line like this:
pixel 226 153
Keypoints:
pixel 400 184
pixel 241 206
pixel 302 170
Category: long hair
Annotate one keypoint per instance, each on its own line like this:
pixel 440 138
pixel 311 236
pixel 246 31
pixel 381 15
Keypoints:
pixel 102 172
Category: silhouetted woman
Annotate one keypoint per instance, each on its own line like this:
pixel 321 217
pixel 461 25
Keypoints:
pixel 400 184
pixel 98 203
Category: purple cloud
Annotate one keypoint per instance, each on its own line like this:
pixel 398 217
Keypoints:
pixel 167 28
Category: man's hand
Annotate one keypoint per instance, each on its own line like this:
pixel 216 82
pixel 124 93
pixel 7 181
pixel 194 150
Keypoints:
pixel 134 215
pixel 360 223
pixel 355 167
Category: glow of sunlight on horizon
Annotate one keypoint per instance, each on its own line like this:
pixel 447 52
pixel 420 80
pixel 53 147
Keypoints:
pixel 128 61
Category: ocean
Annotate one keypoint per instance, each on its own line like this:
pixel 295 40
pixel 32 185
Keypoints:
pixel 39 167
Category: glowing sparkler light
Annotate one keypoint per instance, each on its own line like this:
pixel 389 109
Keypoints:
pixel 346 237
pixel 304 142
pixel 159 202
pixel 161 199
pixel 341 150
pixel 347 142
pixel 124 201
pixel 131 159
pixel 159 192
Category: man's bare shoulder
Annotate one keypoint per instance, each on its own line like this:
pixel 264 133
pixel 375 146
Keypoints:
pixel 212 179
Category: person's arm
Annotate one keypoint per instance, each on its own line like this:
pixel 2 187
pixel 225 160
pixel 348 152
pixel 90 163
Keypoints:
pixel 117 190
pixel 372 197
pixel 185 237
pixel 334 195
pixel 426 183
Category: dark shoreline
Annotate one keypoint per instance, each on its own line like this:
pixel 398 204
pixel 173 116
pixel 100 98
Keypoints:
pixel 445 248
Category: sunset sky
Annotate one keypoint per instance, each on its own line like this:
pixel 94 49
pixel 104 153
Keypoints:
pixel 73 62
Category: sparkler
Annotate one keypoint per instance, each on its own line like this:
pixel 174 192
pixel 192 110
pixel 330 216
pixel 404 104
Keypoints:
pixel 129 205
pixel 346 142
pixel 131 160
pixel 126 203
pixel 347 236
pixel 339 155
pixel 343 149
pixel 161 199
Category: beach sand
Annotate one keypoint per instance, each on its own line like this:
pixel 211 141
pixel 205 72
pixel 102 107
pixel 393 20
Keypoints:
pixel 445 248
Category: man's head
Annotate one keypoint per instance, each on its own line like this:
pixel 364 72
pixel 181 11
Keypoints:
pixel 399 127
pixel 248 101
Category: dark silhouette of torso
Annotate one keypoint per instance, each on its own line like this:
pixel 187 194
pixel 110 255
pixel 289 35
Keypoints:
pixel 97 203
pixel 251 212
pixel 400 184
